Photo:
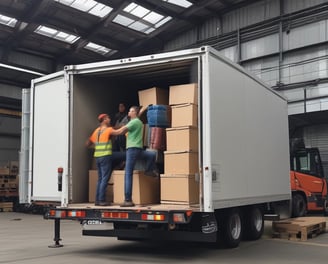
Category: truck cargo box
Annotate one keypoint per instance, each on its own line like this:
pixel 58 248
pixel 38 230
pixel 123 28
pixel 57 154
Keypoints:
pixel 242 125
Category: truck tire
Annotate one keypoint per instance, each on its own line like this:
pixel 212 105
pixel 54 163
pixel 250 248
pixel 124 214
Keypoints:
pixel 253 223
pixel 231 231
pixel 299 205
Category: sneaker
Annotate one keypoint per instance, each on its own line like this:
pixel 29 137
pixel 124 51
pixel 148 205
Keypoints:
pixel 152 173
pixel 127 204
pixel 102 204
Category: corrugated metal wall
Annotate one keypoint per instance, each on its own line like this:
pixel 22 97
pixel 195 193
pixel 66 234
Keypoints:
pixel 31 62
pixel 297 5
pixel 9 139
pixel 9 125
pixel 317 137
pixel 250 15
pixel 283 42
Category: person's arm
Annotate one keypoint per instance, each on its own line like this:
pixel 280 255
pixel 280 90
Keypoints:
pixel 120 131
pixel 142 109
pixel 88 143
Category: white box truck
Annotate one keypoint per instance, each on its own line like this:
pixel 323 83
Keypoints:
pixel 243 149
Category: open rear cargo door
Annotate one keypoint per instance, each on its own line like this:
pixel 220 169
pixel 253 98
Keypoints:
pixel 49 136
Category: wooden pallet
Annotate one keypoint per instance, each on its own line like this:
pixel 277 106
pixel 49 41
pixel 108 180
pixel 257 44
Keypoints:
pixel 299 229
pixel 8 193
pixel 6 209
pixel 6 206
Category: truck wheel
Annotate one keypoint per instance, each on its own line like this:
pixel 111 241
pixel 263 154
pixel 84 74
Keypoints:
pixel 231 228
pixel 254 223
pixel 299 205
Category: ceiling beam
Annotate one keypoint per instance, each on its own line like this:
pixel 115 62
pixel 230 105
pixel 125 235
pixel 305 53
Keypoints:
pixel 25 24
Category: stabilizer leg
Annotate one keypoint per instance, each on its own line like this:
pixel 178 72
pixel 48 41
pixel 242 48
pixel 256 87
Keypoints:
pixel 57 235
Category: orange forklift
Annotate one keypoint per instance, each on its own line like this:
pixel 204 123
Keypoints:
pixel 307 181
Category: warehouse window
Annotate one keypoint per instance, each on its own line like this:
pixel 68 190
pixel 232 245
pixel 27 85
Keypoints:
pixel 98 48
pixel 8 21
pixel 182 3
pixel 54 33
pixel 89 6
pixel 141 19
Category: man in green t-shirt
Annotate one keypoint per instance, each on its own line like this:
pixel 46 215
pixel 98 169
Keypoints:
pixel 134 151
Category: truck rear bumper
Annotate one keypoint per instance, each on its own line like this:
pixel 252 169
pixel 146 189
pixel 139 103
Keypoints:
pixel 128 234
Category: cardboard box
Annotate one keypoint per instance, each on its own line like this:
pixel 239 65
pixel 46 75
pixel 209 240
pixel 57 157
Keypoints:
pixel 146 135
pixel 155 96
pixel 180 162
pixel 4 171
pixel 179 189
pixel 145 189
pixel 93 179
pixel 184 115
pixel 182 94
pixel 182 139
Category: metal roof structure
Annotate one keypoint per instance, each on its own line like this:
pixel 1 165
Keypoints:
pixel 81 31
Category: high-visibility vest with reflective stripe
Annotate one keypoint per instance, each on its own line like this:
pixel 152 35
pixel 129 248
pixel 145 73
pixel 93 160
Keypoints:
pixel 103 149
pixel 103 144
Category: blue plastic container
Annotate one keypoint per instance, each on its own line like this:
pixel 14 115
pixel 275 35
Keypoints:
pixel 157 116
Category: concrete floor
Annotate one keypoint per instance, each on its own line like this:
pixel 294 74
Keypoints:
pixel 24 238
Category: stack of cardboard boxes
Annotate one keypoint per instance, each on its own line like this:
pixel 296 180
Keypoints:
pixel 178 184
pixel 8 185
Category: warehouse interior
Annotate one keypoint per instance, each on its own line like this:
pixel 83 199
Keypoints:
pixel 283 42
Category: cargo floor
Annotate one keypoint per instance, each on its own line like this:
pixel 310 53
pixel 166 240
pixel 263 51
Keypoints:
pixel 157 207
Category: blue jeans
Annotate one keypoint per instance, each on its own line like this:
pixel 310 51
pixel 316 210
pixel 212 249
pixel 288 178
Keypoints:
pixel 132 154
pixel 104 166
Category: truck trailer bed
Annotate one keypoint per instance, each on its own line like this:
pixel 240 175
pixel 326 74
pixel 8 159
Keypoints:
pixel 153 207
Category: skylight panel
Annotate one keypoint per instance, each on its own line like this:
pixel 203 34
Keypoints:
pixel 89 6
pixel 163 21
pixel 149 30
pixel 123 20
pixel 55 34
pixel 139 26
pixel 8 21
pixel 130 7
pixel 182 3
pixel 139 11
pixel 153 17
pixel 100 10
pixel 141 19
pixel 97 48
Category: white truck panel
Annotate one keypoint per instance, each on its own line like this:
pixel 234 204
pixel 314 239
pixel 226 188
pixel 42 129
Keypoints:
pixel 244 155
pixel 246 138
pixel 25 148
pixel 49 137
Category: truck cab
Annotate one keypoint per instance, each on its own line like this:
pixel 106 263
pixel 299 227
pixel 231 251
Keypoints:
pixel 308 184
